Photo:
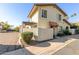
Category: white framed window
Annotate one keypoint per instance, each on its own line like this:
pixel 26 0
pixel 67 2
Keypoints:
pixel 44 13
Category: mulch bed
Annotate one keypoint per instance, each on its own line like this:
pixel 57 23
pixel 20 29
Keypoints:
pixel 33 43
pixel 24 44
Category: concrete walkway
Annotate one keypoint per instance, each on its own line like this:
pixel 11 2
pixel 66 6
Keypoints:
pixel 50 47
pixel 70 49
pixel 18 52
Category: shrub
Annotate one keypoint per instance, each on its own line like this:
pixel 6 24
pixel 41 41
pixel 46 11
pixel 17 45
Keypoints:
pixel 77 31
pixel 66 32
pixel 6 26
pixel 27 36
pixel 60 33
pixel 16 29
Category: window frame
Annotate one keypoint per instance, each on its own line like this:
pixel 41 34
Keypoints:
pixel 59 17
pixel 44 13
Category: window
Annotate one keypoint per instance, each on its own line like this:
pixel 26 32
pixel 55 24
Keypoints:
pixel 44 13
pixel 59 17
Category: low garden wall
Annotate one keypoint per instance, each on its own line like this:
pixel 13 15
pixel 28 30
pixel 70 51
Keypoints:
pixel 44 34
pixel 40 34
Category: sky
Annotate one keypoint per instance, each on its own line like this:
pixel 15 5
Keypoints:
pixel 70 9
pixel 16 13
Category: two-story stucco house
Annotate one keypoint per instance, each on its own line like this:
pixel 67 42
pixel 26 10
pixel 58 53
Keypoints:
pixel 46 20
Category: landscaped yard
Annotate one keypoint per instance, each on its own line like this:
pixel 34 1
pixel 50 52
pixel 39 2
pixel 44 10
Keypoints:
pixel 8 42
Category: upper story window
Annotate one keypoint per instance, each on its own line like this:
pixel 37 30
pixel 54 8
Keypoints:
pixel 44 13
pixel 59 17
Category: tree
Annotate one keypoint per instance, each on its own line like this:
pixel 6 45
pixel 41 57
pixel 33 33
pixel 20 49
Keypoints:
pixel 75 14
pixel 6 26
pixel 75 25
pixel 16 29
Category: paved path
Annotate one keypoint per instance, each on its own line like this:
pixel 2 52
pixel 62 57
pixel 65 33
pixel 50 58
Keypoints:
pixel 8 42
pixel 70 49
pixel 18 52
pixel 51 47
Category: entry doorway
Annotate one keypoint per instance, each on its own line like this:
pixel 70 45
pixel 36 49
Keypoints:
pixel 54 26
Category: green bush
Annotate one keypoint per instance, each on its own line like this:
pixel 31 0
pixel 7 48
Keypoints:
pixel 16 29
pixel 27 36
pixel 66 32
pixel 77 31
pixel 60 33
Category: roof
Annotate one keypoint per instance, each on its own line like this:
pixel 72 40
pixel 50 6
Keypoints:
pixel 66 22
pixel 29 23
pixel 35 7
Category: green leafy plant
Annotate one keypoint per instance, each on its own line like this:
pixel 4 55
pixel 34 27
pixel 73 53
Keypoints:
pixel 66 32
pixel 77 31
pixel 60 33
pixel 6 26
pixel 27 36
pixel 16 29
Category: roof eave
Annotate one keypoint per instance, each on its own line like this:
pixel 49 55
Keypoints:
pixel 34 6
pixel 67 22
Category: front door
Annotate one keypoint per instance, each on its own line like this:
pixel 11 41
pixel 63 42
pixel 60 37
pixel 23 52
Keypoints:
pixel 54 31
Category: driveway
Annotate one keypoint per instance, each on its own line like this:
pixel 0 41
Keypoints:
pixel 70 49
pixel 8 42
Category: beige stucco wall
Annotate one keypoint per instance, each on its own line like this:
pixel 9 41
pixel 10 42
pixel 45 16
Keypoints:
pixel 52 15
pixel 43 23
pixel 34 18
pixel 34 30
pixel 44 34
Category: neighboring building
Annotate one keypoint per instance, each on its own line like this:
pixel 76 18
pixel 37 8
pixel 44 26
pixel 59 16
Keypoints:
pixel 46 20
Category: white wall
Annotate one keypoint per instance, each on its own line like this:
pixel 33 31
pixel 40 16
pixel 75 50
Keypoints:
pixel 72 31
pixel 35 17
pixel 44 34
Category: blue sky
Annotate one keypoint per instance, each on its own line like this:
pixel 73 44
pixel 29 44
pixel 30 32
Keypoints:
pixel 14 14
pixel 70 9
